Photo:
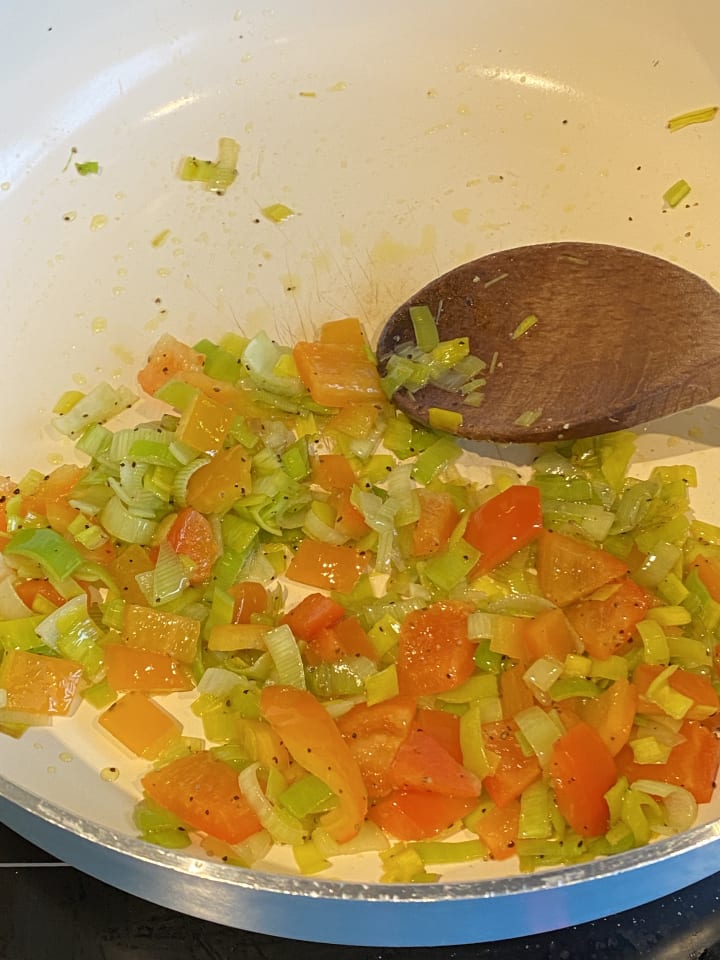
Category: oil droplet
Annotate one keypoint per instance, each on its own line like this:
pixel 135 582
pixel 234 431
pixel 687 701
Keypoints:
pixel 55 459
pixel 321 261
pixel 99 325
pixel 122 353
pixel 98 221
pixel 66 757
pixel 462 215
pixel 463 109
pixel 116 291
pixel 5 185
pixel 495 178
pixel 52 770
pixel 259 317
pixel 38 746
pixel 164 271
pixel 159 239
pixel 290 282
pixel 110 774
pixel 246 58
pixel 80 379
pixel 249 126
pixel 475 182
pixel 237 15
pixel 307 93
pixel 338 87
pixel 389 250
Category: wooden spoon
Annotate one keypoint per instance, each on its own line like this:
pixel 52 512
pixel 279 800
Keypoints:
pixel 621 338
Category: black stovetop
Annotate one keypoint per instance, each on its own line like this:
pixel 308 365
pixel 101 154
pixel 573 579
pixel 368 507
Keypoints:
pixel 52 912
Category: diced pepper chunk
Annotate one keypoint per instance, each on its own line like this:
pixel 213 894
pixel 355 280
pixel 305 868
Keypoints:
pixel 692 764
pixel 413 815
pixel 435 651
pixel 192 536
pixel 503 525
pixel 203 791
pixel 438 518
pixel 569 570
pixel 498 828
pixel 39 684
pixel 134 668
pixel 140 724
pixel 347 330
pixel 605 626
pixel 215 487
pixel 204 424
pixel 167 358
pixel 314 741
pixel 161 632
pixel 582 770
pixel 314 613
pixel 327 565
pixel 337 374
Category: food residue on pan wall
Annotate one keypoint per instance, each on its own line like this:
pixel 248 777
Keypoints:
pixel 390 250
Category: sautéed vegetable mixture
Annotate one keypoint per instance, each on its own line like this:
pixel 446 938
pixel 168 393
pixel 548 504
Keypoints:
pixel 384 654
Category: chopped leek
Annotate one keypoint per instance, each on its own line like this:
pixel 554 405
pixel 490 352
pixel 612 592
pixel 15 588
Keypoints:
pixel 541 730
pixel 307 796
pixel 217 175
pixel 525 324
pixel 676 193
pixel 87 167
pixel 403 864
pixel 424 328
pixel 277 212
pixel 282 647
pixel 528 417
pixel 437 852
pixel 99 405
pixel 282 826
pixel 440 418
pixel 703 115
pixel 54 554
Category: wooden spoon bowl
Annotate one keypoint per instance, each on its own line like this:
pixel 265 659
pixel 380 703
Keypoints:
pixel 621 338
